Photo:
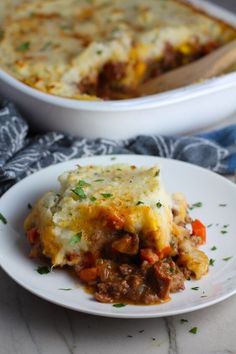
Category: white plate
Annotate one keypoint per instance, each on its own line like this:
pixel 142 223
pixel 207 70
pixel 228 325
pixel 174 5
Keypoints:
pixel 187 109
pixel 196 183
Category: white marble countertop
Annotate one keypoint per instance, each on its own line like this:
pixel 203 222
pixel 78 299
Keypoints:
pixel 29 325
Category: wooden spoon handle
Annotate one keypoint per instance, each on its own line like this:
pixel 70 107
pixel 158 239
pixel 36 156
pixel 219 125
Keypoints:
pixel 211 65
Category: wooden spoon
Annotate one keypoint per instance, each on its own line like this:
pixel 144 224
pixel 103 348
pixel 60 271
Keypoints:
pixel 211 65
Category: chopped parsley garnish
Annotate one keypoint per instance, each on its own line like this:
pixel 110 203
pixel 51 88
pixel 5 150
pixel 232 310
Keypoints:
pixel 203 296
pixel 118 305
pixel 213 248
pixel 64 27
pixel 65 289
pixel 195 288
pixel 46 46
pixel 222 205
pixel 153 338
pixel 196 205
pixel 227 258
pixel 99 180
pixel 83 183
pixel 157 173
pixel 129 336
pixel 23 47
pixel 43 269
pixel 107 195
pixel 79 192
pixel 182 320
pixel 211 262
pixel 93 199
pixel 224 232
pixel 225 226
pixel 139 202
pixel 193 330
pixel 3 219
pixel 210 225
pixel 158 205
pixel 76 238
pixel 141 331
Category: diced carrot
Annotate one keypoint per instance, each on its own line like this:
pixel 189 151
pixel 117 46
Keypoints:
pixel 88 274
pixel 32 236
pixel 147 254
pixel 198 229
pixel 165 252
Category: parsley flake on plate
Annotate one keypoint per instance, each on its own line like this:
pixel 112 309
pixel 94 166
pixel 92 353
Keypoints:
pixel 139 202
pixel 211 262
pixel 158 205
pixel 213 248
pixel 227 258
pixel 196 205
pixel 118 305
pixel 195 288
pixel 193 330
pixel 65 289
pixel 3 219
pixel 183 320
pixel 43 270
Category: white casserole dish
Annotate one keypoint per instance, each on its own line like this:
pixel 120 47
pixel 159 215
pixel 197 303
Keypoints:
pixel 179 111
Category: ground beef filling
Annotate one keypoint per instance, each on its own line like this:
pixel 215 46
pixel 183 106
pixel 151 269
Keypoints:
pixel 129 274
pixel 120 268
pixel 108 84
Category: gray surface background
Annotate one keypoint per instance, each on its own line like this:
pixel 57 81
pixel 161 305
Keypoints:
pixel 229 4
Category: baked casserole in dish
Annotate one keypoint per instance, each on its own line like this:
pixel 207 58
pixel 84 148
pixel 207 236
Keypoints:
pixel 102 49
pixel 120 232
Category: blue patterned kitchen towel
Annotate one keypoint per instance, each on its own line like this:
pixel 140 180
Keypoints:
pixel 22 154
